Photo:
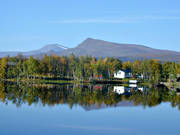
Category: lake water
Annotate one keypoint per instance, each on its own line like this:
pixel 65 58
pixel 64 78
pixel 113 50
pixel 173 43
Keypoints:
pixel 88 110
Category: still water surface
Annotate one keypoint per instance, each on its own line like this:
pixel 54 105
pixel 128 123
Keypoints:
pixel 87 110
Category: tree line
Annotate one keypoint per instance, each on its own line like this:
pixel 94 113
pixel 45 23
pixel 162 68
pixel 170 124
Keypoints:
pixel 84 68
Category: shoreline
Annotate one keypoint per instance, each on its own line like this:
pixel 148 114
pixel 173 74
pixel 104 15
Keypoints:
pixel 40 81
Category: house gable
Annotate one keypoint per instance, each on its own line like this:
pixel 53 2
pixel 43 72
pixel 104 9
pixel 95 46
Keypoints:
pixel 123 74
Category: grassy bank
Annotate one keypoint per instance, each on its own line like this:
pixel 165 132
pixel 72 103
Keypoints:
pixel 68 81
pixel 39 81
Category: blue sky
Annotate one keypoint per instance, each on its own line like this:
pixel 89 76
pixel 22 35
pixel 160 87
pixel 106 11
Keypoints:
pixel 30 24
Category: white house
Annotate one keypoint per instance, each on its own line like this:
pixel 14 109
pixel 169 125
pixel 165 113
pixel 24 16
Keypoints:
pixel 123 74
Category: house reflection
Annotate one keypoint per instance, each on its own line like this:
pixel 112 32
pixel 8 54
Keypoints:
pixel 122 89
pixel 128 89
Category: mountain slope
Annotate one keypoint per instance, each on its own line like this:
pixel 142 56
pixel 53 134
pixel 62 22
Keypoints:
pixel 100 48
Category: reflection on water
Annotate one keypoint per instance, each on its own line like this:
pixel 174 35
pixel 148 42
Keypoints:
pixel 129 90
pixel 89 97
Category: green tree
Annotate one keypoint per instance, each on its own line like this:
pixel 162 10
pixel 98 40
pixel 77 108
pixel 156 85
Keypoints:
pixel 32 67
pixel 3 68
pixel 166 69
pixel 156 71
pixel 72 65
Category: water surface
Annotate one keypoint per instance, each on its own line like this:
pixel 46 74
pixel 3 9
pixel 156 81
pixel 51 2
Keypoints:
pixel 87 110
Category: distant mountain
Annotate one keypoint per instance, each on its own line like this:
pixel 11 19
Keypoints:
pixel 100 48
pixel 53 47
pixel 48 49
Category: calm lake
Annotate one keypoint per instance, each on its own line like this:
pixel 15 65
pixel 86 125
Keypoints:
pixel 88 110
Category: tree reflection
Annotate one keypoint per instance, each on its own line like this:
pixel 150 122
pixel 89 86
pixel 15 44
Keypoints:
pixel 90 96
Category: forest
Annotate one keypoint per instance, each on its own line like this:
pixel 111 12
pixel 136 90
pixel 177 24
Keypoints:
pixel 84 68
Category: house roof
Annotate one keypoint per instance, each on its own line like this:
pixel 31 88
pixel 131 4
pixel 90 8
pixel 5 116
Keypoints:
pixel 126 71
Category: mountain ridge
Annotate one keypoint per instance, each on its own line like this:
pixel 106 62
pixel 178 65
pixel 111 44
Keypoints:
pixel 102 48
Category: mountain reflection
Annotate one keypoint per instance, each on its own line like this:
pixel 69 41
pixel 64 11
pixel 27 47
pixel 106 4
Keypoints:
pixel 89 97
